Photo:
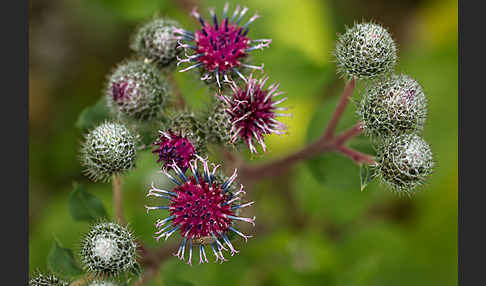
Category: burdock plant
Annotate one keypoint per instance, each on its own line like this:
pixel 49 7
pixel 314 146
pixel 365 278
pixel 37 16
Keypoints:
pixel 205 206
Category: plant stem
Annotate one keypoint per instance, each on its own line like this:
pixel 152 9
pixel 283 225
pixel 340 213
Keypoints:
pixel 338 112
pixel 117 183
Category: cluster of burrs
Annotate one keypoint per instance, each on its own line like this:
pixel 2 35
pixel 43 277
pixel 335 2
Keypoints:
pixel 393 107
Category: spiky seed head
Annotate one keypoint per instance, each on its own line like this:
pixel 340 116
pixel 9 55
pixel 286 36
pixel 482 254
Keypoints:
pixel 252 109
pixel 137 89
pixel 218 123
pixel 47 280
pixel 404 162
pixel 365 51
pixel 108 249
pixel 102 283
pixel 393 106
pixel 156 41
pixel 202 208
pixel 108 149
pixel 219 48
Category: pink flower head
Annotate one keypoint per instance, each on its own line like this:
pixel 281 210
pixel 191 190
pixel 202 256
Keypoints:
pixel 219 47
pixel 252 110
pixel 201 209
pixel 174 148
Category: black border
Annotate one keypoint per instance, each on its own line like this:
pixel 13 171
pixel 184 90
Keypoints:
pixel 15 133
pixel 471 237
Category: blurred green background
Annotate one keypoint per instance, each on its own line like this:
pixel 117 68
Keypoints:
pixel 314 226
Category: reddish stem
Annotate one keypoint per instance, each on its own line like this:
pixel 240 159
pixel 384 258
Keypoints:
pixel 356 156
pixel 338 112
pixel 348 134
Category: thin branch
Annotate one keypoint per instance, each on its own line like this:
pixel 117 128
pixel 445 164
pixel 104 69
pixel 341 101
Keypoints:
pixel 338 112
pixel 117 183
pixel 356 156
pixel 348 134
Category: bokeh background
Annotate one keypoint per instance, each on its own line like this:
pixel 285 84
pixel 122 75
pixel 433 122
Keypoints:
pixel 314 226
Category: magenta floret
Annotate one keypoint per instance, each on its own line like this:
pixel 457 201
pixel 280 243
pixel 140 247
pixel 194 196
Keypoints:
pixel 252 109
pixel 202 209
pixel 219 47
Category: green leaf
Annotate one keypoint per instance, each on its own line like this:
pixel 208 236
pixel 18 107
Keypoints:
pixel 367 174
pixel 61 260
pixel 93 115
pixel 84 206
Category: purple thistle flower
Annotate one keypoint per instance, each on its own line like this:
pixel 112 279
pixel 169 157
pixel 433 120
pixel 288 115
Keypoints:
pixel 202 209
pixel 252 110
pixel 174 148
pixel 220 47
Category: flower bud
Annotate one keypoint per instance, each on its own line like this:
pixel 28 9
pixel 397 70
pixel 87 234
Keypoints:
pixel 102 283
pixel 156 41
pixel 44 280
pixel 394 106
pixel 108 149
pixel 137 89
pixel 365 51
pixel 108 249
pixel 404 162
pixel 218 123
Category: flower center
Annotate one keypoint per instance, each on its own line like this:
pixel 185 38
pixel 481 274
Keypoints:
pixel 221 46
pixel 200 209
pixel 105 248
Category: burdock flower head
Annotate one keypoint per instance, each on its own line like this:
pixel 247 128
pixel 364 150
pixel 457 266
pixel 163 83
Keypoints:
pixel 172 147
pixel 252 109
pixel 404 162
pixel 137 89
pixel 394 106
pixel 219 48
pixel 203 209
pixel 109 249
pixel 180 140
pixel 365 51
pixel 155 40
pixel 109 149
pixel 47 280
pixel 102 283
